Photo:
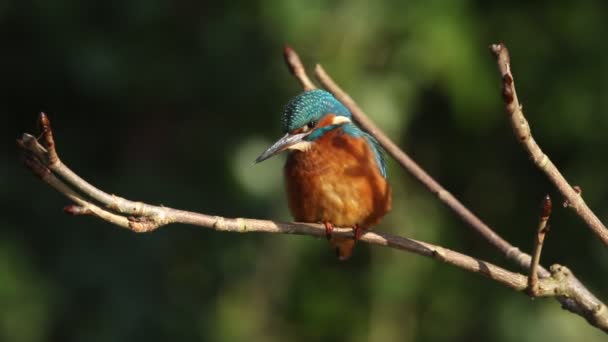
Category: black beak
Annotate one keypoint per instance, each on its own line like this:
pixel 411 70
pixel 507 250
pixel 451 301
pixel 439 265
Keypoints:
pixel 281 145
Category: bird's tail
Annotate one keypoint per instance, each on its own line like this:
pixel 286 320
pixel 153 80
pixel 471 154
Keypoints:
pixel 344 246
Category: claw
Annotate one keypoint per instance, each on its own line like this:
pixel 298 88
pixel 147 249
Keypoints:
pixel 357 231
pixel 329 229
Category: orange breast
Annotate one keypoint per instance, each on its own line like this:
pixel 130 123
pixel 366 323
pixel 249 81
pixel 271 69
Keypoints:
pixel 338 181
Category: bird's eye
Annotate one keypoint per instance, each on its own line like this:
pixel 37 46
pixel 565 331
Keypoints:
pixel 311 124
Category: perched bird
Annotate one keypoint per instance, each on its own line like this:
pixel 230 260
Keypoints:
pixel 335 173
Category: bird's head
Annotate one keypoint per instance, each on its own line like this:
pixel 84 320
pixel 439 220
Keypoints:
pixel 306 118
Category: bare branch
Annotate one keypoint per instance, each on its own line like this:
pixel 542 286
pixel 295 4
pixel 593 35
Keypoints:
pixel 153 217
pixel 509 251
pixel 542 230
pixel 522 131
pixel 47 134
pixel 33 160
pixel 560 283
pixel 594 313
pixel 295 66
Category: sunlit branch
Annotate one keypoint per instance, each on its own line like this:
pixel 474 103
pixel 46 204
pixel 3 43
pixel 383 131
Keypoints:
pixel 45 163
pixel 594 313
pixel 522 131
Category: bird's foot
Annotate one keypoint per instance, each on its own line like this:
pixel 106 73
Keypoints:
pixel 329 229
pixel 357 231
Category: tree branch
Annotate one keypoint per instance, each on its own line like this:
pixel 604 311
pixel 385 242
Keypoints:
pixel 522 131
pixel 45 163
pixel 542 230
pixel 141 217
pixel 509 251
pixel 595 314
pixel 295 66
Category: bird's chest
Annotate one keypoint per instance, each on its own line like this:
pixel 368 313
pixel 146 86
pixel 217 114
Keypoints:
pixel 336 180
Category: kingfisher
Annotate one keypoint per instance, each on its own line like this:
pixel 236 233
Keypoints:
pixel 335 172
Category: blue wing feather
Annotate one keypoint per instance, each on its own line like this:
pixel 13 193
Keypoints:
pixel 378 153
pixel 353 130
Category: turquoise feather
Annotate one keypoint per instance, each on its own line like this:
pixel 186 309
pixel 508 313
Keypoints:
pixel 312 105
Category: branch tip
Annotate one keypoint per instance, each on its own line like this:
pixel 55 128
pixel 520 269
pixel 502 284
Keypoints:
pixel 49 141
pixel 296 67
pixel 291 58
pixel 500 51
pixel 542 230
pixel 287 51
pixel 44 120
pixel 76 210
pixel 546 207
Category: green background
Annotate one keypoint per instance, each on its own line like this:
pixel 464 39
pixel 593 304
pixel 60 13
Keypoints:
pixel 170 102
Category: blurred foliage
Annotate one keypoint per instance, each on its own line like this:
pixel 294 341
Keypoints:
pixel 171 101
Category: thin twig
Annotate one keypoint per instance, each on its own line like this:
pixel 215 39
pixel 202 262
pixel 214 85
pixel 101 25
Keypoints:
pixel 295 66
pixel 56 166
pixel 522 131
pixel 543 228
pixel 35 161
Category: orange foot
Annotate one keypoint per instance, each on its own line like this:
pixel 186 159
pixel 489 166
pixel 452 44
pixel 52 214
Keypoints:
pixel 329 229
pixel 357 231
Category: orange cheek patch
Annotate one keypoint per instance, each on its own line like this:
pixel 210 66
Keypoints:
pixel 297 131
pixel 327 120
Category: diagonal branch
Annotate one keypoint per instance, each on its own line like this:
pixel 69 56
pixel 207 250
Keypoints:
pixel 522 131
pixel 595 313
pixel 296 68
pixel 511 252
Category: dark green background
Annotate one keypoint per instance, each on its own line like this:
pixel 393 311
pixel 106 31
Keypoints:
pixel 170 102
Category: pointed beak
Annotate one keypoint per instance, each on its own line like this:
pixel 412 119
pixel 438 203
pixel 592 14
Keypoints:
pixel 281 145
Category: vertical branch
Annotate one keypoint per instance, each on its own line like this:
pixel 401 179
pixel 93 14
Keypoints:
pixel 543 228
pixel 47 135
pixel 522 131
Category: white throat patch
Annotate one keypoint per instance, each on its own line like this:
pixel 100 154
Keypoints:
pixel 301 146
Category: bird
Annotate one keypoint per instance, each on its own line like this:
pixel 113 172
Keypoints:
pixel 335 172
